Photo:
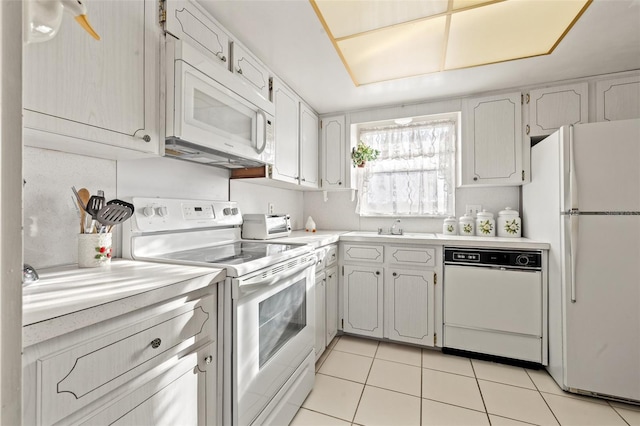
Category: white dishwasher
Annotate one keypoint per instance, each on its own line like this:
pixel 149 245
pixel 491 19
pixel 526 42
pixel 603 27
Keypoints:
pixel 494 303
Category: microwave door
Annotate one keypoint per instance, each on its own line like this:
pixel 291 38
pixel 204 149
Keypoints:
pixel 214 116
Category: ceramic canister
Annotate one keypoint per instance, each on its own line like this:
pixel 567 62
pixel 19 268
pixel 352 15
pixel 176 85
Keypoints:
pixel 509 223
pixel 450 226
pixel 485 224
pixel 467 225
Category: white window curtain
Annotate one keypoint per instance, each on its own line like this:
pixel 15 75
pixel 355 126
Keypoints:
pixel 414 174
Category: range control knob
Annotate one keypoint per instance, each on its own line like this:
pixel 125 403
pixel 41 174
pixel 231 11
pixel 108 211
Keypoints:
pixel 149 211
pixel 522 259
pixel 162 211
pixel 226 211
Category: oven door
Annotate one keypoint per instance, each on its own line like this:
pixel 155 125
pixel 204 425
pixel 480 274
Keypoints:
pixel 274 333
pixel 207 111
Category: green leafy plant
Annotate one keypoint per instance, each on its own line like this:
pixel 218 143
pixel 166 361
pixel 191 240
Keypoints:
pixel 363 153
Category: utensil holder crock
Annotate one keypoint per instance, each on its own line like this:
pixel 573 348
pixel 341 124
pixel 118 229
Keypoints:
pixel 94 250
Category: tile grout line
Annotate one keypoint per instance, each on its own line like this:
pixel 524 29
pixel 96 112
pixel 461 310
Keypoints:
pixel 542 396
pixel 364 386
pixel 475 376
pixel 617 412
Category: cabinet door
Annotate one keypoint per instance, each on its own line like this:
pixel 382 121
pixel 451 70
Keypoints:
pixel 321 342
pixel 552 107
pixel 186 20
pixel 409 296
pixel 333 153
pixel 618 99
pixel 285 167
pixel 184 395
pixel 251 71
pixel 363 307
pixel 308 147
pixel 491 152
pixel 331 302
pixel 103 91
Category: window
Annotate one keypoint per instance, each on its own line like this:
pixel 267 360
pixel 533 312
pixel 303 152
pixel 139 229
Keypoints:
pixel 414 175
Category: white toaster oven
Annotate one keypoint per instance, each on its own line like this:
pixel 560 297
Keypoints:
pixel 265 226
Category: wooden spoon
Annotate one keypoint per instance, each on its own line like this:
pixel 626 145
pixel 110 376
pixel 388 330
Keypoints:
pixel 85 195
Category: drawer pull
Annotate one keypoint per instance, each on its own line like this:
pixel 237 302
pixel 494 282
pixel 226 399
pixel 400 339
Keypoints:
pixel 208 360
pixel 155 343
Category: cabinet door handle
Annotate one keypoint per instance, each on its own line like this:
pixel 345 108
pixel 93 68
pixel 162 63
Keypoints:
pixel 239 70
pixel 208 360
pixel 395 274
pixel 155 343
pixel 377 272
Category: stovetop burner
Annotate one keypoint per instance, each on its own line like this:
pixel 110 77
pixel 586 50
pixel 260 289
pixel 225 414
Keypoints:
pixel 232 253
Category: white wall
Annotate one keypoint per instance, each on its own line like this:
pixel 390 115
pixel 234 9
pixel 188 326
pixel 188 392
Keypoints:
pixel 338 212
pixel 51 218
pixel 255 198
pixel 171 178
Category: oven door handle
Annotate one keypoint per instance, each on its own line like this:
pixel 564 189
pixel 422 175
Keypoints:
pixel 256 282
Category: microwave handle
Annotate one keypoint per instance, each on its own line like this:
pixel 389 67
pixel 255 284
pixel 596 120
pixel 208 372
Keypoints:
pixel 264 132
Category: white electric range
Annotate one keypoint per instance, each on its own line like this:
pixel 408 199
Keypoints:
pixel 268 301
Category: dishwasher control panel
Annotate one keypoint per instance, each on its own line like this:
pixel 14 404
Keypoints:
pixel 521 259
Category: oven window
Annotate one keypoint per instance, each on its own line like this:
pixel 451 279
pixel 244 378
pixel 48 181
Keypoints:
pixel 281 316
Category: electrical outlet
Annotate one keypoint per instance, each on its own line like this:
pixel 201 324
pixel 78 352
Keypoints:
pixel 270 208
pixel 473 209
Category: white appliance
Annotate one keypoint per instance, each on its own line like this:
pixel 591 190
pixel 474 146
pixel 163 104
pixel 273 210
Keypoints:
pixel 213 118
pixel 268 301
pixel 584 199
pixel 494 303
pixel 265 226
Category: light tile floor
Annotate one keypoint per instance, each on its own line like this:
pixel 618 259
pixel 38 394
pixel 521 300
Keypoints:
pixel 366 382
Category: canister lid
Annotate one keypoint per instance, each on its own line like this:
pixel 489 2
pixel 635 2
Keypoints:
pixel 485 215
pixel 450 219
pixel 508 212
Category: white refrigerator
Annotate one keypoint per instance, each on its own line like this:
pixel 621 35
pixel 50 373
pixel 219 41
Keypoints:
pixel 584 199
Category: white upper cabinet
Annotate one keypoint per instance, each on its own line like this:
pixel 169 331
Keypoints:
pixel 308 147
pixel 333 154
pixel 285 167
pixel 251 71
pixel 618 99
pixel 491 149
pixel 97 98
pixel 552 107
pixel 186 20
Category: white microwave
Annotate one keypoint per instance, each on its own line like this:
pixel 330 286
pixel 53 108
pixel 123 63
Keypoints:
pixel 212 116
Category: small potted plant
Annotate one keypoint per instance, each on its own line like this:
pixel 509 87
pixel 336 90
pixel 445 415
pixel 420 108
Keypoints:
pixel 363 153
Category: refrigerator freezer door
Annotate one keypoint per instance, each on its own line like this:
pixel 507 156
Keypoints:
pixel 607 172
pixel 602 328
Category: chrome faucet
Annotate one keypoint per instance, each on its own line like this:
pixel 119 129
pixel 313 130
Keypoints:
pixel 393 230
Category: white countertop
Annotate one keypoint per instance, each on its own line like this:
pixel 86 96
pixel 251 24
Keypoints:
pixel 444 240
pixel 316 239
pixel 99 293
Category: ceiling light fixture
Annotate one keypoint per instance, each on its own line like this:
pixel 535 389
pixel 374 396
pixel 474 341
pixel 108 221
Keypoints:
pixel 386 40
pixel 403 121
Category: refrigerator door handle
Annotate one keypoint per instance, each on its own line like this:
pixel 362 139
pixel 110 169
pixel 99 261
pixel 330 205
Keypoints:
pixel 573 251
pixel 573 214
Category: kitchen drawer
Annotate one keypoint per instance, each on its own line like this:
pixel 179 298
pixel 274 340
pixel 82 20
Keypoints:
pixel 363 253
pixel 73 377
pixel 419 256
pixel 332 255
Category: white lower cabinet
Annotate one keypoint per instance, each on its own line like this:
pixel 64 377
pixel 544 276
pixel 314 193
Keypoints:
pixel 321 324
pixel 331 291
pixel 363 296
pixel 409 305
pixel 390 299
pixel 156 365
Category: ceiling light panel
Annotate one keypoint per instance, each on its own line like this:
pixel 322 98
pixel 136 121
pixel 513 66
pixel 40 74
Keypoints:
pixel 380 40
pixel 346 18
pixel 501 31
pixel 395 52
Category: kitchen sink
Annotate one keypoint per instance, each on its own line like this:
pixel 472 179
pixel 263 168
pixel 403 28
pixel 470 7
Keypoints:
pixel 405 235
